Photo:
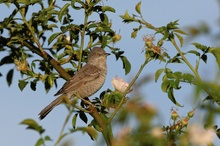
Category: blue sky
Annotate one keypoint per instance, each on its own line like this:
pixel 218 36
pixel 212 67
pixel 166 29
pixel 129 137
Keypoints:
pixel 16 105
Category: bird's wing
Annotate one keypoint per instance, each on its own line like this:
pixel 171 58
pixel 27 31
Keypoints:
pixel 82 77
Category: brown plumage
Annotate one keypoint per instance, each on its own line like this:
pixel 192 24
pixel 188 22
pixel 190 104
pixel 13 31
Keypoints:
pixel 87 81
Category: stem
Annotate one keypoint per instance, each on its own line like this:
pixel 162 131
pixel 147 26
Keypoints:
pixel 128 88
pixel 82 41
pixel 48 58
pixel 200 82
pixel 186 61
pixel 32 32
pixel 104 124
pixel 63 127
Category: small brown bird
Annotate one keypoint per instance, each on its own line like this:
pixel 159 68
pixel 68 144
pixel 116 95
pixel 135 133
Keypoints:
pixel 87 81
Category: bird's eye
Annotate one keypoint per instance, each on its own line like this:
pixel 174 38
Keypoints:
pixel 97 54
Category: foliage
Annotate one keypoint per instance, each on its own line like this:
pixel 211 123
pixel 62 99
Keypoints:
pixel 30 34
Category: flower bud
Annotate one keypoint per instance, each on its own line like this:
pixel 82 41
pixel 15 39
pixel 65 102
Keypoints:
pixel 174 115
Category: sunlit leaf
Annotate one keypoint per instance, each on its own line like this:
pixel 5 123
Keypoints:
pixel 194 52
pixel 63 11
pixel 200 46
pixel 188 77
pixel 158 73
pixel 53 36
pixel 126 17
pixel 96 125
pixel 180 31
pixel 108 8
pixel 40 142
pixel 92 132
pixel 138 7
pixel 134 33
pixel 104 18
pixel 32 124
pixel 216 53
pixel 74 120
pixel 50 79
pixel 126 64
pixel 180 38
pixel 171 97
pixel 47 138
pixel 165 85
pixel 22 84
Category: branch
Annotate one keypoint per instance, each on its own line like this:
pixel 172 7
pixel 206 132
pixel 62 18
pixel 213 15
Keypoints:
pixel 4 41
pixel 128 88
pixel 48 58
pixel 105 126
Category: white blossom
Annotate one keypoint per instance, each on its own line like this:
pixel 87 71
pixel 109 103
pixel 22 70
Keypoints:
pixel 68 38
pixel 157 132
pixel 119 84
pixel 200 136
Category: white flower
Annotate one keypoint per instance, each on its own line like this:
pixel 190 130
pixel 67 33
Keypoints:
pixel 68 38
pixel 119 84
pixel 199 136
pixel 157 132
pixel 124 132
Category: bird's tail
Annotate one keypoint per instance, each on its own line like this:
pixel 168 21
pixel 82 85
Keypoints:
pixel 50 107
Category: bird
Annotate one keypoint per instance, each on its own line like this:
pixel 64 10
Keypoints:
pixel 86 82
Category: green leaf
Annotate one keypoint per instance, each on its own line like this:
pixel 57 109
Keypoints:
pixel 6 60
pixel 104 18
pixel 108 8
pixel 52 26
pixel 158 73
pixel 92 132
pixel 216 53
pixel 180 31
pixel 96 125
pixel 112 100
pixel 47 86
pixel 177 75
pixel 47 138
pixel 104 41
pixel 204 58
pixel 50 80
pixel 40 142
pixel 33 85
pixel 126 17
pixel 83 117
pixel 74 120
pixel 22 84
pixel 200 46
pixel 165 85
pixel 126 64
pixel 171 97
pixel 194 52
pixel 53 36
pixel 9 76
pixel 138 7
pixel 63 11
pixel 218 133
pixel 31 124
pixel 188 77
pixel 134 33
pixel 180 38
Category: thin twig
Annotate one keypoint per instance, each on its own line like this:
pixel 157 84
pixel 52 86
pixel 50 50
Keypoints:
pixel 128 88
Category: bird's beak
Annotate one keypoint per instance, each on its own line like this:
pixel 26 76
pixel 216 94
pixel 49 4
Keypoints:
pixel 107 54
